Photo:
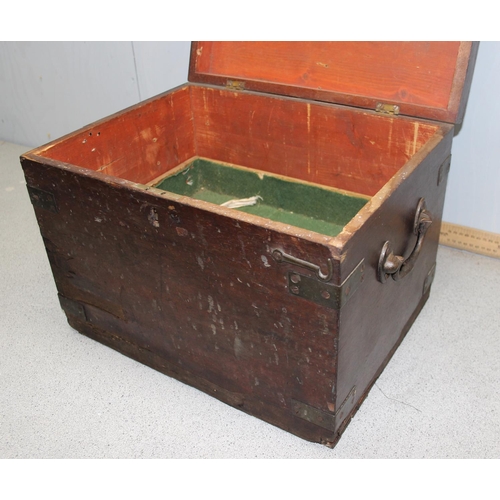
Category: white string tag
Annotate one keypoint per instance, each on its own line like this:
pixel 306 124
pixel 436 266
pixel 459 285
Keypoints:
pixel 243 202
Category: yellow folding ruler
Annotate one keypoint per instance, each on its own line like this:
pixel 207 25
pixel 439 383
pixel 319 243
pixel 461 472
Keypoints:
pixel 473 240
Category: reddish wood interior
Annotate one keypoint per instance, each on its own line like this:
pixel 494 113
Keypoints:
pixel 137 144
pixel 424 75
pixel 331 145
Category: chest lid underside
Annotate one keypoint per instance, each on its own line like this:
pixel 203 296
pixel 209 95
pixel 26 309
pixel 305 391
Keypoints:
pixel 422 79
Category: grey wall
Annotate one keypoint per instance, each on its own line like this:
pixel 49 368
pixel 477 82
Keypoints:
pixel 473 195
pixel 48 89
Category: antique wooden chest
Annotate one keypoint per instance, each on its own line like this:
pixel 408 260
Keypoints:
pixel 288 304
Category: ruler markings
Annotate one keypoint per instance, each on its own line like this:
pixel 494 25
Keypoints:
pixel 473 240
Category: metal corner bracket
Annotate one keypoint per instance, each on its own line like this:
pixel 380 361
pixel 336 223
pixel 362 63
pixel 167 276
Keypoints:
pixel 73 307
pixel 321 418
pixel 444 170
pixel 429 279
pixel 317 289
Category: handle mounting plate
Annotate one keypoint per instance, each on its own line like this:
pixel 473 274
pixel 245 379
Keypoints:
pixel 326 294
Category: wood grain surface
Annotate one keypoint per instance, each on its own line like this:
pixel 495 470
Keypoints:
pixel 192 288
pixel 425 79
pixel 335 146
pixel 192 293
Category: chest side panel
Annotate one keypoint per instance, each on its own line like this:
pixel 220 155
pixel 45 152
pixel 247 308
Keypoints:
pixel 136 144
pixel 376 319
pixel 194 294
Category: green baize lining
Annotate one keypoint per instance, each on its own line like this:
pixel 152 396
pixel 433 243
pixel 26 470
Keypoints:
pixel 291 202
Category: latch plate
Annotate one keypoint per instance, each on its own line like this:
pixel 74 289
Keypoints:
pixel 326 294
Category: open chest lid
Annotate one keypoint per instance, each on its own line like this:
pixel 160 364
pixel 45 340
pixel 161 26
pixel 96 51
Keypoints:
pixel 422 79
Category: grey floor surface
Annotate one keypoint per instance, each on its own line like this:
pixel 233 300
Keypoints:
pixel 63 395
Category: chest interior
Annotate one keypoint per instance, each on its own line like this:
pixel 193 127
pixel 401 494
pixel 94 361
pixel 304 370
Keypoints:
pixel 308 164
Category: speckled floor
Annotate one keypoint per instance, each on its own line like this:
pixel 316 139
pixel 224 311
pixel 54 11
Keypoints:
pixel 63 395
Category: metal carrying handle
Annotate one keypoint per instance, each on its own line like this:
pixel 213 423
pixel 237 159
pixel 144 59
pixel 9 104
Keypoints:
pixel 397 266
pixel 280 256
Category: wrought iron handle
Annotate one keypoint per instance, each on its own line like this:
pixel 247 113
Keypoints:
pixel 397 266
pixel 279 256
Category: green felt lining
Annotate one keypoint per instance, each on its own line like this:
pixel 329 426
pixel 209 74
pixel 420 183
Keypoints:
pixel 298 204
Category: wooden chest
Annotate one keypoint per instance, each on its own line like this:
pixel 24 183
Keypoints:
pixel 287 308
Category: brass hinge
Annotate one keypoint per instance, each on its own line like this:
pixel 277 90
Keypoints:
pixel 235 85
pixel 387 109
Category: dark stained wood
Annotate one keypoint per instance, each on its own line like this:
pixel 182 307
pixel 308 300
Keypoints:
pixel 374 319
pixel 191 288
pixel 249 403
pixel 201 290
pixel 425 79
pixel 346 414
